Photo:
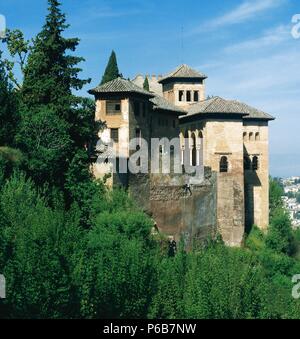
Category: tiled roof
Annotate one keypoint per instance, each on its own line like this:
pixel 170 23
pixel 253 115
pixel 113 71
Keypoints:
pixel 219 105
pixel 184 71
pixel 163 104
pixel 254 113
pixel 120 85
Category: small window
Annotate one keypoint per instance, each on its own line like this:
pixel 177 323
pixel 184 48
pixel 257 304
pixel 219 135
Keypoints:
pixel 114 135
pixel 137 109
pixel 257 136
pixel 247 163
pixel 113 107
pixel 255 163
pixel 245 136
pixel 251 136
pixel 188 96
pixel 181 94
pixel 196 96
pixel 224 165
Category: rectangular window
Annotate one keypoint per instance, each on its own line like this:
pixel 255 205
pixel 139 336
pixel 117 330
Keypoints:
pixel 114 135
pixel 181 94
pixel 188 96
pixel 113 107
pixel 137 109
pixel 196 96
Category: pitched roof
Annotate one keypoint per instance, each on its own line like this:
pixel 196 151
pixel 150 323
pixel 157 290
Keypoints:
pixel 184 71
pixel 120 85
pixel 223 107
pixel 254 113
pixel 161 103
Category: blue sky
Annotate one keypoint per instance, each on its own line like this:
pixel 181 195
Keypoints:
pixel 245 47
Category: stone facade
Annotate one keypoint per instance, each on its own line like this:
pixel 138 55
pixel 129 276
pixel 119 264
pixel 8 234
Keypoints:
pixel 227 138
pixel 256 144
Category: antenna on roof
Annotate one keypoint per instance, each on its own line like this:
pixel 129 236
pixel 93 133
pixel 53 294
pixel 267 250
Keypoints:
pixel 182 47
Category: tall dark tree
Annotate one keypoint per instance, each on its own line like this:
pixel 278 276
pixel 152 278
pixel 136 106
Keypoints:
pixel 112 70
pixel 146 84
pixel 56 124
pixel 8 108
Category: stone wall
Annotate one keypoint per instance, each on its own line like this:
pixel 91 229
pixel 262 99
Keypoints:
pixel 189 214
pixel 256 143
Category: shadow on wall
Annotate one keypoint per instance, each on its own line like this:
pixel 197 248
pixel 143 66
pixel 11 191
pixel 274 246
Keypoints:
pixel 251 181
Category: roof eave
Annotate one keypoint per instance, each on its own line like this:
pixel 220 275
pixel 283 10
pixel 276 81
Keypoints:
pixel 222 115
pixel 259 119
pixel 96 93
pixel 179 113
pixel 168 79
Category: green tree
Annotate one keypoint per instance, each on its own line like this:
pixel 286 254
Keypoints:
pixel 116 274
pixel 38 246
pixel 146 84
pixel 18 47
pixel 8 108
pixel 55 124
pixel 276 193
pixel 112 70
pixel 280 235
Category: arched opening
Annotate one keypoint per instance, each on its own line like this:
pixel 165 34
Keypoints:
pixel 186 153
pixel 255 163
pixel 224 165
pixel 196 96
pixel 245 136
pixel 251 136
pixel 257 136
pixel 194 150
pixel 160 158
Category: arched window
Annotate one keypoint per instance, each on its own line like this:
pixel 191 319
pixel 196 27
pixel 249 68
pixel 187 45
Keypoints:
pixel 255 163
pixel 251 136
pixel 194 150
pixel 245 136
pixel 188 96
pixel 247 163
pixel 196 96
pixel 257 136
pixel 224 165
pixel 181 95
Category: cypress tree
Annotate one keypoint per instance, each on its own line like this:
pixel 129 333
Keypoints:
pixel 112 70
pixel 146 84
pixel 56 124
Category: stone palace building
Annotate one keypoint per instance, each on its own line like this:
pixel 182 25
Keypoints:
pixel 227 138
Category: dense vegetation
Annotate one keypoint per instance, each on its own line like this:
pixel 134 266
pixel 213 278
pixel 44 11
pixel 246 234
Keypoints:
pixel 70 248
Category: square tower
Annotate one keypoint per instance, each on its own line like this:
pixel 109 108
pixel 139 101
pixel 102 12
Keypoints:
pixel 184 86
